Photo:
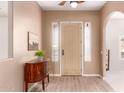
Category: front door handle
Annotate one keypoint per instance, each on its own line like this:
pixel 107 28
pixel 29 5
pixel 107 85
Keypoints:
pixel 62 52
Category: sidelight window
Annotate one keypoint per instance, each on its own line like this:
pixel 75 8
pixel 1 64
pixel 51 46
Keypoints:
pixel 55 42
pixel 87 42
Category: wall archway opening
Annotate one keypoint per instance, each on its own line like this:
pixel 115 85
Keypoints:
pixel 113 47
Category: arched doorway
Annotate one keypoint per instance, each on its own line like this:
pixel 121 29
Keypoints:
pixel 113 43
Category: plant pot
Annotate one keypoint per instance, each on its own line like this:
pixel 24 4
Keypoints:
pixel 40 58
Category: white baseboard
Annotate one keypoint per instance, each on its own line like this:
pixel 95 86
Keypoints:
pixel 98 75
pixel 56 75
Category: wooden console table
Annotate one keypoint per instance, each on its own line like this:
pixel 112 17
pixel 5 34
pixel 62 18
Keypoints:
pixel 34 72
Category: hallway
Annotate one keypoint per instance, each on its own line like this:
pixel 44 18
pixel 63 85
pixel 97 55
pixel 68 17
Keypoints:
pixel 75 84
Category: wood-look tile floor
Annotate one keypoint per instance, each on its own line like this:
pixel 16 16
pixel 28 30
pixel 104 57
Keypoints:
pixel 74 84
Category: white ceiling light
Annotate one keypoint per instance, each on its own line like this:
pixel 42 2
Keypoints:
pixel 73 4
pixel 86 6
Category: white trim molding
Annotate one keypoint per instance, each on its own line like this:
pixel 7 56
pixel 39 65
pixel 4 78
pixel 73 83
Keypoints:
pixel 6 59
pixel 56 75
pixel 88 75
pixel 98 75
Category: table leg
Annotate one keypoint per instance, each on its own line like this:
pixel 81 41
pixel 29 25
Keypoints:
pixel 48 78
pixel 43 86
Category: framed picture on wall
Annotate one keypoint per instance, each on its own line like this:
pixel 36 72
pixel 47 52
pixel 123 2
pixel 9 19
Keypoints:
pixel 121 46
pixel 33 42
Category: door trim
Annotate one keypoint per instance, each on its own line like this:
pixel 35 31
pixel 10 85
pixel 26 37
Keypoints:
pixel 82 53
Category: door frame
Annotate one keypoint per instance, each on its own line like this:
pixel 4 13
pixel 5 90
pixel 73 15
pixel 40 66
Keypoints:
pixel 82 39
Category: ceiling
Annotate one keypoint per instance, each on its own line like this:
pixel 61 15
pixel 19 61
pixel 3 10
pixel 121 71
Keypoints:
pixel 86 6
pixel 3 8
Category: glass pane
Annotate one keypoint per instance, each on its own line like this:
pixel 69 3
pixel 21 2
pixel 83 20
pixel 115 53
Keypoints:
pixel 55 42
pixel 3 29
pixel 87 45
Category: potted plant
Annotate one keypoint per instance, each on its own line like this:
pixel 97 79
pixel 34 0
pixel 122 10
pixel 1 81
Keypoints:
pixel 40 55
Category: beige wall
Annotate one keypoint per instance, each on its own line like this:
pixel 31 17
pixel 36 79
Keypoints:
pixel 58 16
pixel 27 16
pixel 109 8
